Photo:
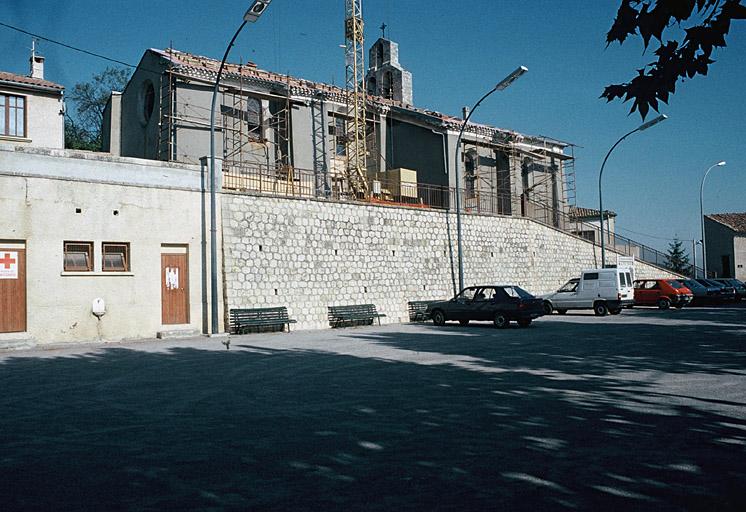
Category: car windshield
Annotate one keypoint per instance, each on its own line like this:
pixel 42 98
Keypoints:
pixel 517 291
pixel 467 294
pixel 571 286
pixel 675 284
pixel 691 284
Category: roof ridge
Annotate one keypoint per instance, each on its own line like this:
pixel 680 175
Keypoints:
pixel 27 80
pixel 252 70
pixel 735 221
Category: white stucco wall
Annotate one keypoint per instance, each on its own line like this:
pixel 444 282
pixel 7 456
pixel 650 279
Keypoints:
pixel 44 117
pixel 155 204
pixel 740 260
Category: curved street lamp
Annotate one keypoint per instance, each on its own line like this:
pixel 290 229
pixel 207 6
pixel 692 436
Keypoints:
pixel 504 84
pixel 251 16
pixel 640 128
pixel 702 216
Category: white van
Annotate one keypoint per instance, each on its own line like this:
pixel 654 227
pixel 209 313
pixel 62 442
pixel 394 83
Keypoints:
pixel 604 290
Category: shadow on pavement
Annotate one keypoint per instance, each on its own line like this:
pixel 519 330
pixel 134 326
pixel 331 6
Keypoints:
pixel 562 416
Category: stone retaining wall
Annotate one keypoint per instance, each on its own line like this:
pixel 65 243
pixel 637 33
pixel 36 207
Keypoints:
pixel 308 255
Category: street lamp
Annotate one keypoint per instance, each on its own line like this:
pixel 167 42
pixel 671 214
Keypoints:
pixel 640 128
pixel 695 243
pixel 501 86
pixel 702 216
pixel 251 16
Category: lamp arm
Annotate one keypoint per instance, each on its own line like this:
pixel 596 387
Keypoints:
pixel 601 197
pixel 213 199
pixel 457 177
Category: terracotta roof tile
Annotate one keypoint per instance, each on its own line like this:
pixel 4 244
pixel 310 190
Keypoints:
pixel 735 221
pixel 582 213
pixel 26 80
pixel 206 68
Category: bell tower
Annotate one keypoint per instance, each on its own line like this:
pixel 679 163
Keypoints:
pixel 386 77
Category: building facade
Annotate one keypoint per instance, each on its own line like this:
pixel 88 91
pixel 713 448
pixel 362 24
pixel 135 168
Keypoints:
pixel 588 221
pixel 32 110
pixel 94 247
pixel 285 135
pixel 726 244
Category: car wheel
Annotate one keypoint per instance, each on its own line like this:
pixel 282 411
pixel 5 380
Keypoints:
pixel 463 322
pixel 501 321
pixel 561 311
pixel 524 323
pixel 664 303
pixel 438 317
pixel 600 309
pixel 548 308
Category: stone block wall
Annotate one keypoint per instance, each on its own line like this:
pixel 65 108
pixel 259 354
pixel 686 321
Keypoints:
pixel 308 255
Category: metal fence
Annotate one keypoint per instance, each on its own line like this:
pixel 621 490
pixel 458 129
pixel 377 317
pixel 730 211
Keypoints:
pixel 305 183
pixel 613 241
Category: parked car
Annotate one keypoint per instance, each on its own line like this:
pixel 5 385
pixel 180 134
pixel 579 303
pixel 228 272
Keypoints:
pixel 501 304
pixel 725 293
pixel 663 293
pixel 702 294
pixel 604 290
pixel 739 286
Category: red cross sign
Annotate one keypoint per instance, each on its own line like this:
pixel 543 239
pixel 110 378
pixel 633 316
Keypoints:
pixel 8 265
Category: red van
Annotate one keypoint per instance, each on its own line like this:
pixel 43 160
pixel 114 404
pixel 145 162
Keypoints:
pixel 663 293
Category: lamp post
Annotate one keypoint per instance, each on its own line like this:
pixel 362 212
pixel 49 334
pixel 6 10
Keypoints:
pixel 501 86
pixel 640 128
pixel 702 217
pixel 695 243
pixel 251 16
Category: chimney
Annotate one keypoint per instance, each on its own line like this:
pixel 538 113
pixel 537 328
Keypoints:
pixel 37 63
pixel 465 112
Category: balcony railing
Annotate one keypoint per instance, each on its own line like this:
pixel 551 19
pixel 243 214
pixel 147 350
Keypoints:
pixel 304 183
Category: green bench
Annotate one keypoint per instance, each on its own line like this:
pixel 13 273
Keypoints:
pixel 245 319
pixel 354 315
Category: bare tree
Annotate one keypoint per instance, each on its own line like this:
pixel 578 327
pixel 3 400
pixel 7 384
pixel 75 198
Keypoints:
pixel 83 130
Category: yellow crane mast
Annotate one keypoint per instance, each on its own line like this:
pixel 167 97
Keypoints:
pixel 356 169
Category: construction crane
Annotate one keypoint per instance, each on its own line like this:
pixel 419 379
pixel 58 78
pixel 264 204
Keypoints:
pixel 356 169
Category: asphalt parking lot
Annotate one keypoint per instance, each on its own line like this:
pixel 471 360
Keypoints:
pixel 643 411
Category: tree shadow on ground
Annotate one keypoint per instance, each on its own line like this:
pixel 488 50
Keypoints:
pixel 536 419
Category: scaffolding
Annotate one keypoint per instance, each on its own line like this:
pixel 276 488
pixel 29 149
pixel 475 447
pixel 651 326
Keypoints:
pixel 516 175
pixel 318 132
pixel 255 128
pixel 165 125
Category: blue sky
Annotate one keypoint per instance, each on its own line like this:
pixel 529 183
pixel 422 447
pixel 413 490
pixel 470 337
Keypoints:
pixel 457 54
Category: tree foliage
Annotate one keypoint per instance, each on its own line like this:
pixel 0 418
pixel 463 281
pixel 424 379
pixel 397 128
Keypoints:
pixel 684 57
pixel 677 259
pixel 83 129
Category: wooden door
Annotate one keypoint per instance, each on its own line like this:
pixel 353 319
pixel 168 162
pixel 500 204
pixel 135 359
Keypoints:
pixel 175 288
pixel 12 290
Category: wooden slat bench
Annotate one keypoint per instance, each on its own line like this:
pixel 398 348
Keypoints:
pixel 339 315
pixel 417 310
pixel 244 319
